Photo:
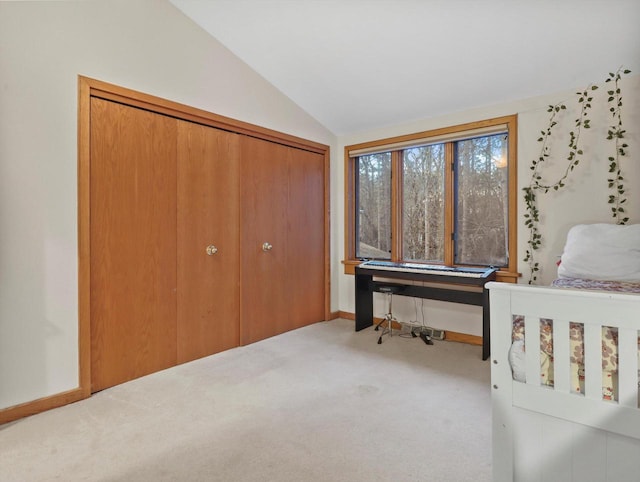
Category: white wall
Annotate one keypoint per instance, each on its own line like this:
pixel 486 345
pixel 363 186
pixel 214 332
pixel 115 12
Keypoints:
pixel 584 200
pixel 144 45
pixel 149 46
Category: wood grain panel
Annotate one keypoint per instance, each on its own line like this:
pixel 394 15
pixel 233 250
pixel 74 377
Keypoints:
pixel 133 243
pixel 264 211
pixel 305 232
pixel 208 214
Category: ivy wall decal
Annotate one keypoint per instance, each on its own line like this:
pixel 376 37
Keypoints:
pixel 538 185
pixel 616 133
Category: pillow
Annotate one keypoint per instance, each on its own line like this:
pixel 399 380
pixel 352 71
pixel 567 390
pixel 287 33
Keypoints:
pixel 517 360
pixel 609 252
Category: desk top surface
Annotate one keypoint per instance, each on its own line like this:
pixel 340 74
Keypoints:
pixel 425 272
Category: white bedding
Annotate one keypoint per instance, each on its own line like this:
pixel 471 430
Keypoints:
pixel 609 252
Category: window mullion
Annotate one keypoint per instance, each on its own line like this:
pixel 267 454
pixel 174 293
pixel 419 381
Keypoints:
pixel 396 205
pixel 449 196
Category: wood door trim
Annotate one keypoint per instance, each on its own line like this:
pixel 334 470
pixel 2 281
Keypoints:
pixel 87 88
pixel 40 405
pixel 181 111
pixel 327 239
pixel 84 236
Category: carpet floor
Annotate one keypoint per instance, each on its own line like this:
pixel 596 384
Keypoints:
pixel 321 403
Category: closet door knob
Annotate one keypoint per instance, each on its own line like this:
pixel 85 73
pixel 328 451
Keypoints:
pixel 266 247
pixel 211 250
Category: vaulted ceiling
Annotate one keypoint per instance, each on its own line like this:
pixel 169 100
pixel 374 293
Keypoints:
pixel 355 65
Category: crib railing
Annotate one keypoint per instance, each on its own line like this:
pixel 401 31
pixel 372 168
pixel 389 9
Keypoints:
pixel 594 310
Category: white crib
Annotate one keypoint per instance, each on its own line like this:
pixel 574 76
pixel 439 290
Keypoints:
pixel 543 433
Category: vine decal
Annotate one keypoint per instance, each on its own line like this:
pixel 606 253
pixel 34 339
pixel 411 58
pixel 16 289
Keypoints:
pixel 538 185
pixel 532 214
pixel 616 133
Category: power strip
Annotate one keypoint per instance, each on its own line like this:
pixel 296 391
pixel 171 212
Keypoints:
pixel 433 333
pixel 411 327
pixel 417 329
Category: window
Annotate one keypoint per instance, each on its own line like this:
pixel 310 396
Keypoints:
pixel 423 203
pixel 439 197
pixel 373 220
pixel 481 202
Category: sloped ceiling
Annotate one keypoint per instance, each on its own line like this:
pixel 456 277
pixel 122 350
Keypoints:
pixel 355 65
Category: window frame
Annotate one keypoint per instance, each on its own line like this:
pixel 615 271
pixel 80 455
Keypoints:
pixel 451 134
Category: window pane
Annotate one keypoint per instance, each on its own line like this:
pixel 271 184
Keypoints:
pixel 373 206
pixel 481 208
pixel 423 203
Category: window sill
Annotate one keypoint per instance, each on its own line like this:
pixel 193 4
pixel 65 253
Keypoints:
pixel 502 275
pixel 350 265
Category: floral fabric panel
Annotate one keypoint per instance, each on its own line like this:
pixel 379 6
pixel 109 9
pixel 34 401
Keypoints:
pixel 590 284
pixel 609 346
pixel 546 346
pixel 576 335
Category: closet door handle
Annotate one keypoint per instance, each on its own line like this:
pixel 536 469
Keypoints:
pixel 211 250
pixel 266 247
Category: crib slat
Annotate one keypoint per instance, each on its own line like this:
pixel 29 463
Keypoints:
pixel 561 356
pixel 532 349
pixel 501 394
pixel 593 361
pixel 628 367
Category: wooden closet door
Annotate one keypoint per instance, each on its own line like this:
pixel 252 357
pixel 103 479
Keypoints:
pixel 208 215
pixel 282 204
pixel 133 243
pixel 264 214
pixel 305 253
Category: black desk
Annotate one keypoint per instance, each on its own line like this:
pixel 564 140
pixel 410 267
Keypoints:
pixel 365 286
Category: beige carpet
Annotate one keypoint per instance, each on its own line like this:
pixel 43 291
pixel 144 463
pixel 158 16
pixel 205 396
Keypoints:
pixel 322 403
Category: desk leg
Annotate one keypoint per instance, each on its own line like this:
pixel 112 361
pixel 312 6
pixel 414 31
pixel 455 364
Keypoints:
pixel 364 301
pixel 486 330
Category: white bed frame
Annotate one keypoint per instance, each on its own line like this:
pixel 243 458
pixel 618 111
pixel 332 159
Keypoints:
pixel 543 433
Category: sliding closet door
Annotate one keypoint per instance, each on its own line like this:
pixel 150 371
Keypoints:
pixel 264 211
pixel 305 256
pixel 208 240
pixel 282 239
pixel 133 243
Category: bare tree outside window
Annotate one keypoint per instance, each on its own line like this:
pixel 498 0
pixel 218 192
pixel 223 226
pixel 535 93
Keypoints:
pixel 423 203
pixel 373 206
pixel 481 206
